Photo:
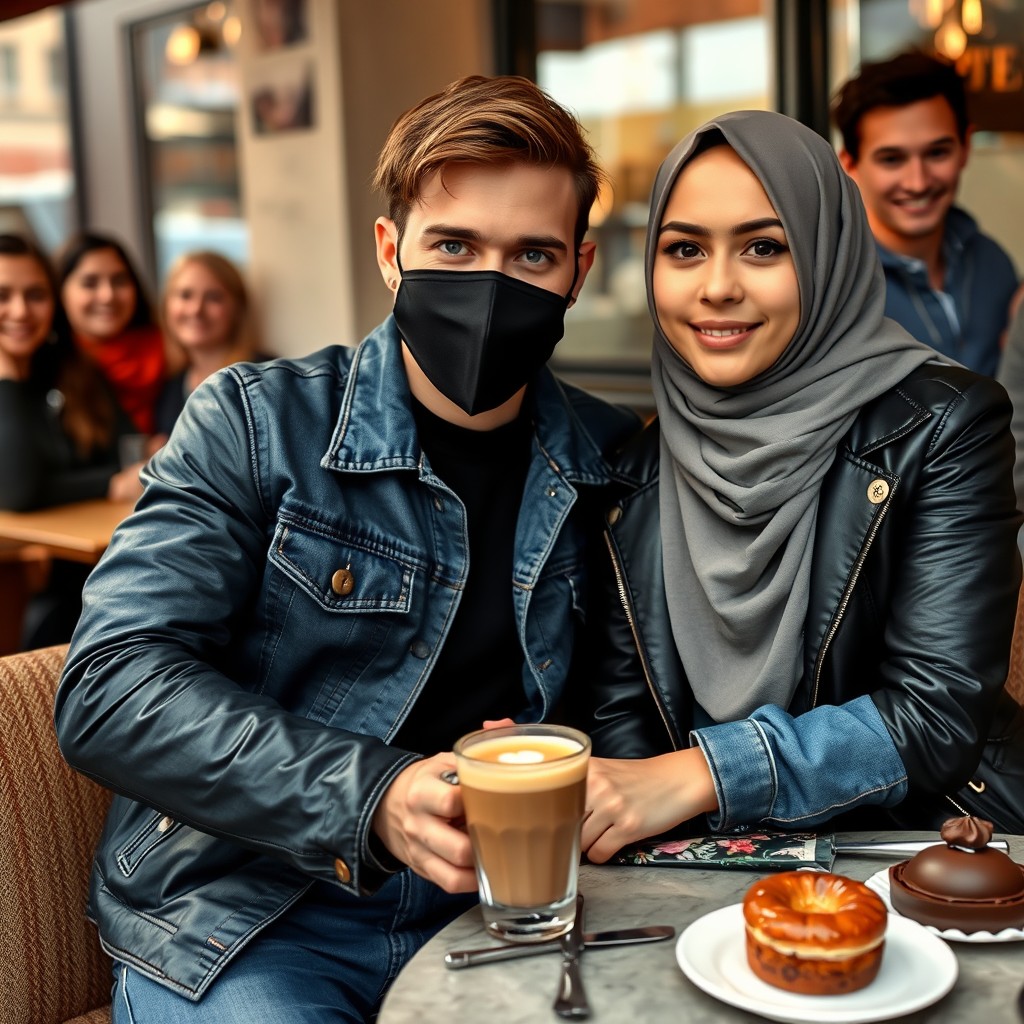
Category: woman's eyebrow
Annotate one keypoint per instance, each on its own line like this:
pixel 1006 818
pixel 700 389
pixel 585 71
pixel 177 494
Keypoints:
pixel 745 228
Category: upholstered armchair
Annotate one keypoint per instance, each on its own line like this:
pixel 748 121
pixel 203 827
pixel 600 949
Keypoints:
pixel 52 970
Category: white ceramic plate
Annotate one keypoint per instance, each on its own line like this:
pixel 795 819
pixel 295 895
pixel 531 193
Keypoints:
pixel 917 970
pixel 879 882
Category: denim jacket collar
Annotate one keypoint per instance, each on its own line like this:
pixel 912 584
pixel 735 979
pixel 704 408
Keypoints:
pixel 376 431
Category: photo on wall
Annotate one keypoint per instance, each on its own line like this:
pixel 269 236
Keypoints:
pixel 283 101
pixel 280 22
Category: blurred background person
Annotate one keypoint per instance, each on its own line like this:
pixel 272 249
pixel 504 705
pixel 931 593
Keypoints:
pixel 60 425
pixel 906 141
pixel 206 314
pixel 112 322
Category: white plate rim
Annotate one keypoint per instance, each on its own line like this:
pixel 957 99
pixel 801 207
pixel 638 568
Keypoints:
pixel 879 883
pixel 791 1008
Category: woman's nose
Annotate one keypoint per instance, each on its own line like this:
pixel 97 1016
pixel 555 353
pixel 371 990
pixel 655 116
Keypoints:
pixel 721 283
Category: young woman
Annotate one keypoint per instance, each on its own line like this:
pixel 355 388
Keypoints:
pixel 206 314
pixel 112 322
pixel 811 611
pixel 59 422
pixel 59 426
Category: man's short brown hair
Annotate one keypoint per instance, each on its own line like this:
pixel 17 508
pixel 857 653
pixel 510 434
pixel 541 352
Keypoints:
pixel 484 120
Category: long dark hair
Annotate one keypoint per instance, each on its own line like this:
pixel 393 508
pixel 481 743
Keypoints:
pixel 88 415
pixel 80 245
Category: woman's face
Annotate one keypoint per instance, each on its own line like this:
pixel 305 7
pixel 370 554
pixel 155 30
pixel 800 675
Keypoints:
pixel 199 311
pixel 26 309
pixel 99 295
pixel 725 286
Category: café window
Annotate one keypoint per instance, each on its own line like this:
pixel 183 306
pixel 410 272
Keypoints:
pixel 639 74
pixel 37 186
pixel 187 91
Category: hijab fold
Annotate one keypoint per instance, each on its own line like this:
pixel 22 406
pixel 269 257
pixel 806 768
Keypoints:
pixel 741 468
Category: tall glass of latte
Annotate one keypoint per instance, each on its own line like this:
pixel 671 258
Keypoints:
pixel 523 791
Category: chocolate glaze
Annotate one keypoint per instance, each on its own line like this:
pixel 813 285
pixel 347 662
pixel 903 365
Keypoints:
pixel 966 886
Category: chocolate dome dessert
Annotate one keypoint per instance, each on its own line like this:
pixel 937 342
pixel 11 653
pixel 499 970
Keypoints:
pixel 963 884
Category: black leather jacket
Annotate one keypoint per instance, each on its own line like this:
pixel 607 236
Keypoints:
pixel 912 600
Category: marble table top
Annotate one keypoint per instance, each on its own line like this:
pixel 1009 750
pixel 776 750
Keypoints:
pixel 642 983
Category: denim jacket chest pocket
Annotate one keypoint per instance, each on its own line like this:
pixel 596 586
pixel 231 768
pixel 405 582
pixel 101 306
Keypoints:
pixel 342 574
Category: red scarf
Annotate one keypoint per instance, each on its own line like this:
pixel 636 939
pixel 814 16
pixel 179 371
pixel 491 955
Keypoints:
pixel 135 365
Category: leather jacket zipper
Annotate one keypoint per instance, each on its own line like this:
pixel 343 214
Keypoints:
pixel 631 619
pixel 844 601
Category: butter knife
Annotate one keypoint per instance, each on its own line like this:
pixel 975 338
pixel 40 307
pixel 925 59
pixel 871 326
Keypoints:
pixel 455 959
pixel 571 1001
pixel 883 848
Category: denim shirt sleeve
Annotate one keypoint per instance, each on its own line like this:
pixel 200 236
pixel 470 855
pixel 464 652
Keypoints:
pixel 775 769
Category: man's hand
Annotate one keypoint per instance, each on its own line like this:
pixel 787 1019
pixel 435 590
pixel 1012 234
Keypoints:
pixel 631 800
pixel 417 821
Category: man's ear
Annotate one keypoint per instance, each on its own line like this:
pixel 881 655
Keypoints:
pixel 587 252
pixel 848 163
pixel 385 233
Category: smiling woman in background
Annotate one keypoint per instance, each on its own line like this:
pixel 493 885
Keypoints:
pixel 206 313
pixel 810 612
pixel 112 322
pixel 59 424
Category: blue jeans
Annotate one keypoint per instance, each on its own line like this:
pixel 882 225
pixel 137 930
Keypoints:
pixel 330 958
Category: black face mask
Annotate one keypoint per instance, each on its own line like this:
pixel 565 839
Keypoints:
pixel 478 335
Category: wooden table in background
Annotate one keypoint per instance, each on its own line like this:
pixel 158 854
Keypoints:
pixel 79 532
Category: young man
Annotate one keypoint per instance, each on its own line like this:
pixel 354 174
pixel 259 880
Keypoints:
pixel 340 564
pixel 906 140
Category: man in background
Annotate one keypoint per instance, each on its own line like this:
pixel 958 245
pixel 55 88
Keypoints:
pixel 906 139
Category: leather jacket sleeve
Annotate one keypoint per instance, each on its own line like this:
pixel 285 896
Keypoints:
pixel 146 705
pixel 952 592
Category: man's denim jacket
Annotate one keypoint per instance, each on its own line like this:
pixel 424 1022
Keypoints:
pixel 260 627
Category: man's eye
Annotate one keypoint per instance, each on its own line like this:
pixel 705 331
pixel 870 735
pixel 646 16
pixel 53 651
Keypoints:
pixel 453 248
pixel 535 256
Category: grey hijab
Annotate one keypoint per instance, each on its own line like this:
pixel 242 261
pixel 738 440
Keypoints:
pixel 741 468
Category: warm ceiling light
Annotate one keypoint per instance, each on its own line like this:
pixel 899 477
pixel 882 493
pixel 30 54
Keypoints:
pixel 951 40
pixel 216 11
pixel 183 45
pixel 933 12
pixel 231 30
pixel 970 15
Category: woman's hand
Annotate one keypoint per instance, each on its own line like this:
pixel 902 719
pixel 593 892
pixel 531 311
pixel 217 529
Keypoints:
pixel 418 820
pixel 631 800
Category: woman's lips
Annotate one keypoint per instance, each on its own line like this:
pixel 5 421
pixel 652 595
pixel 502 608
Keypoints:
pixel 722 335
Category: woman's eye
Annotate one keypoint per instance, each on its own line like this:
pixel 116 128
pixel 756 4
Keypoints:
pixel 683 250
pixel 765 247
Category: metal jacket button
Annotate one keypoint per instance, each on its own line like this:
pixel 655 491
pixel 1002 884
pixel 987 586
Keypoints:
pixel 878 491
pixel 420 649
pixel 342 871
pixel 342 582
